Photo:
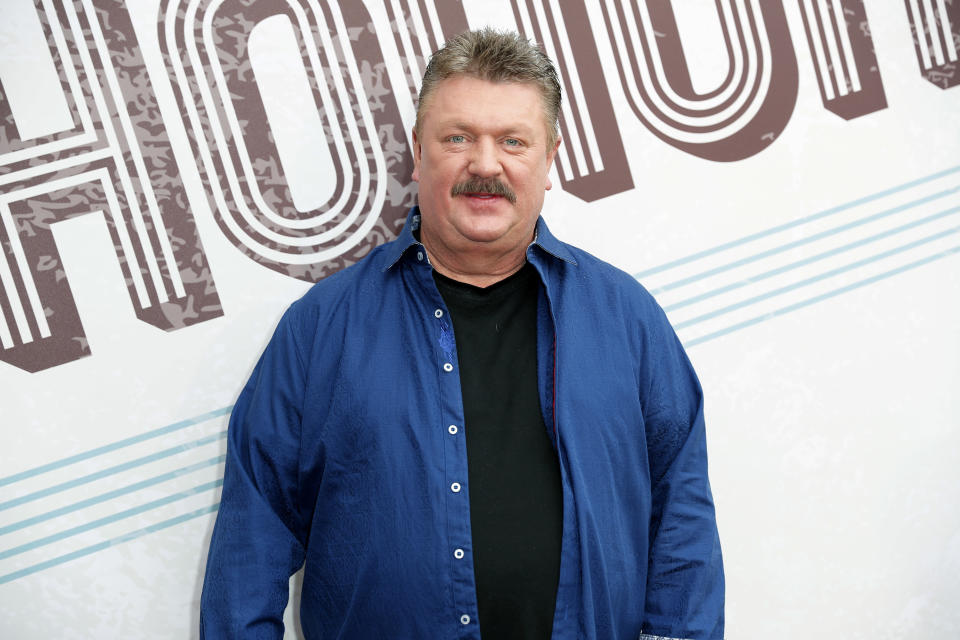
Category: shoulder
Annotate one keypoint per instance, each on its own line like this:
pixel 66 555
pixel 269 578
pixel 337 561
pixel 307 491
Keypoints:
pixel 612 285
pixel 360 283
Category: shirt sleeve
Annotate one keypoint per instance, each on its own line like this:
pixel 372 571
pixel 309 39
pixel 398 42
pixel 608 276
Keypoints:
pixel 685 582
pixel 259 539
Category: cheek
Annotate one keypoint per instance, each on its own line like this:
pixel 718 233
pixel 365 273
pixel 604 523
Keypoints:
pixel 444 178
pixel 532 185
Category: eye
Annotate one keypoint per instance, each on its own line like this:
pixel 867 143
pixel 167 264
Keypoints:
pixel 457 139
pixel 512 142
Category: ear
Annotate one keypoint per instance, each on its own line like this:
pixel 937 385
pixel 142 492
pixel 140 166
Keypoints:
pixel 551 154
pixel 416 156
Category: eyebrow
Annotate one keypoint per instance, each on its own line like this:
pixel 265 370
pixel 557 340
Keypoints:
pixel 516 128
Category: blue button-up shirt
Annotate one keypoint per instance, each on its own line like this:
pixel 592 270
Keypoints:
pixel 346 453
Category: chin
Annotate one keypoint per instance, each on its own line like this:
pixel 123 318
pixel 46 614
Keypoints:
pixel 484 234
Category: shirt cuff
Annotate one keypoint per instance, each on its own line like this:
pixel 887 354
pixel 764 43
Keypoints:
pixel 647 636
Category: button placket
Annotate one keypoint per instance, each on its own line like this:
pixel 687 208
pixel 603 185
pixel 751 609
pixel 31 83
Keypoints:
pixel 458 511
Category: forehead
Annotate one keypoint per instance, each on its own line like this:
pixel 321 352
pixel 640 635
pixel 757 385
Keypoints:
pixel 467 99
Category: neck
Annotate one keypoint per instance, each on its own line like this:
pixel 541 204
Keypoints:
pixel 471 267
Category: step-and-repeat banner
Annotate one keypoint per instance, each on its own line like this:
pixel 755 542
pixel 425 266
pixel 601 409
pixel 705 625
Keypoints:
pixel 784 176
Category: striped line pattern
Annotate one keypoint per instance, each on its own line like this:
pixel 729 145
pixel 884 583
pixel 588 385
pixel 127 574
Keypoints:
pixel 417 32
pixel 591 162
pixel 543 21
pixel 935 25
pixel 94 500
pixel 833 53
pixel 741 283
pixel 844 59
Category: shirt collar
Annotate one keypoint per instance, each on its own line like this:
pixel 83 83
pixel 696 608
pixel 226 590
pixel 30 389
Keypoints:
pixel 406 239
pixel 542 238
pixel 546 241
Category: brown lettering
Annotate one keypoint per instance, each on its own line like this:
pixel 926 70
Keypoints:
pixel 116 159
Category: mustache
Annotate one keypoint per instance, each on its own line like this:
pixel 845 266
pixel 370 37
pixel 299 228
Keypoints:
pixel 484 185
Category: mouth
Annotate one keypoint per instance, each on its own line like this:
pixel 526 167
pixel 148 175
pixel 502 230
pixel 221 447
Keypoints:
pixel 483 196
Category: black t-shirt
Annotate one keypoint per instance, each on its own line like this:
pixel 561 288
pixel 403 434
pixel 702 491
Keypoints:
pixel 516 506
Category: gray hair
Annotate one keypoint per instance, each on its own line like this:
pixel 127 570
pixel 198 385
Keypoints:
pixel 495 56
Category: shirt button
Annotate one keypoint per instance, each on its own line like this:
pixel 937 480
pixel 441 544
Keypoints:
pixel 420 255
pixel 455 487
pixel 464 619
pixel 438 313
pixel 447 367
pixel 458 554
pixel 452 429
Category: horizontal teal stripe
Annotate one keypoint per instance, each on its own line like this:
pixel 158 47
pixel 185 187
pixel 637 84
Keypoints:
pixel 76 482
pixel 115 517
pixel 821 297
pixel 813 279
pixel 86 455
pixel 10 577
pixel 811 259
pixel 789 225
pixel 802 241
pixel 103 497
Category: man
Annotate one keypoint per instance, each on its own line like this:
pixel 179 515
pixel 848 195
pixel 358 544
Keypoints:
pixel 478 428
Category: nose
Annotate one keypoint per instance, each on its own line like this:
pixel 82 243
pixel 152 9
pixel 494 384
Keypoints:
pixel 484 158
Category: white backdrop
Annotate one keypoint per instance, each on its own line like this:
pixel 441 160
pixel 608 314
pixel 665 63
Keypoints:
pixel 816 285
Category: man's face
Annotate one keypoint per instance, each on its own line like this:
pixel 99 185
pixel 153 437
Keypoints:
pixel 481 159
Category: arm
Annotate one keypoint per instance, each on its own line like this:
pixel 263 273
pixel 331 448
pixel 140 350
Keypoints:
pixel 685 584
pixel 259 538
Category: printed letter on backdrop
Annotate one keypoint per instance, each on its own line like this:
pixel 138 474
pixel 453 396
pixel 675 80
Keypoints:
pixel 418 30
pixel 591 161
pixel 936 37
pixel 735 120
pixel 114 158
pixel 250 159
pixel 844 60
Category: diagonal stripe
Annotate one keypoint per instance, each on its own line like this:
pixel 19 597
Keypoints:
pixel 823 296
pixel 120 515
pixel 63 486
pixel 108 543
pixel 794 223
pixel 110 495
pixel 802 241
pixel 811 259
pixel 86 455
pixel 813 279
